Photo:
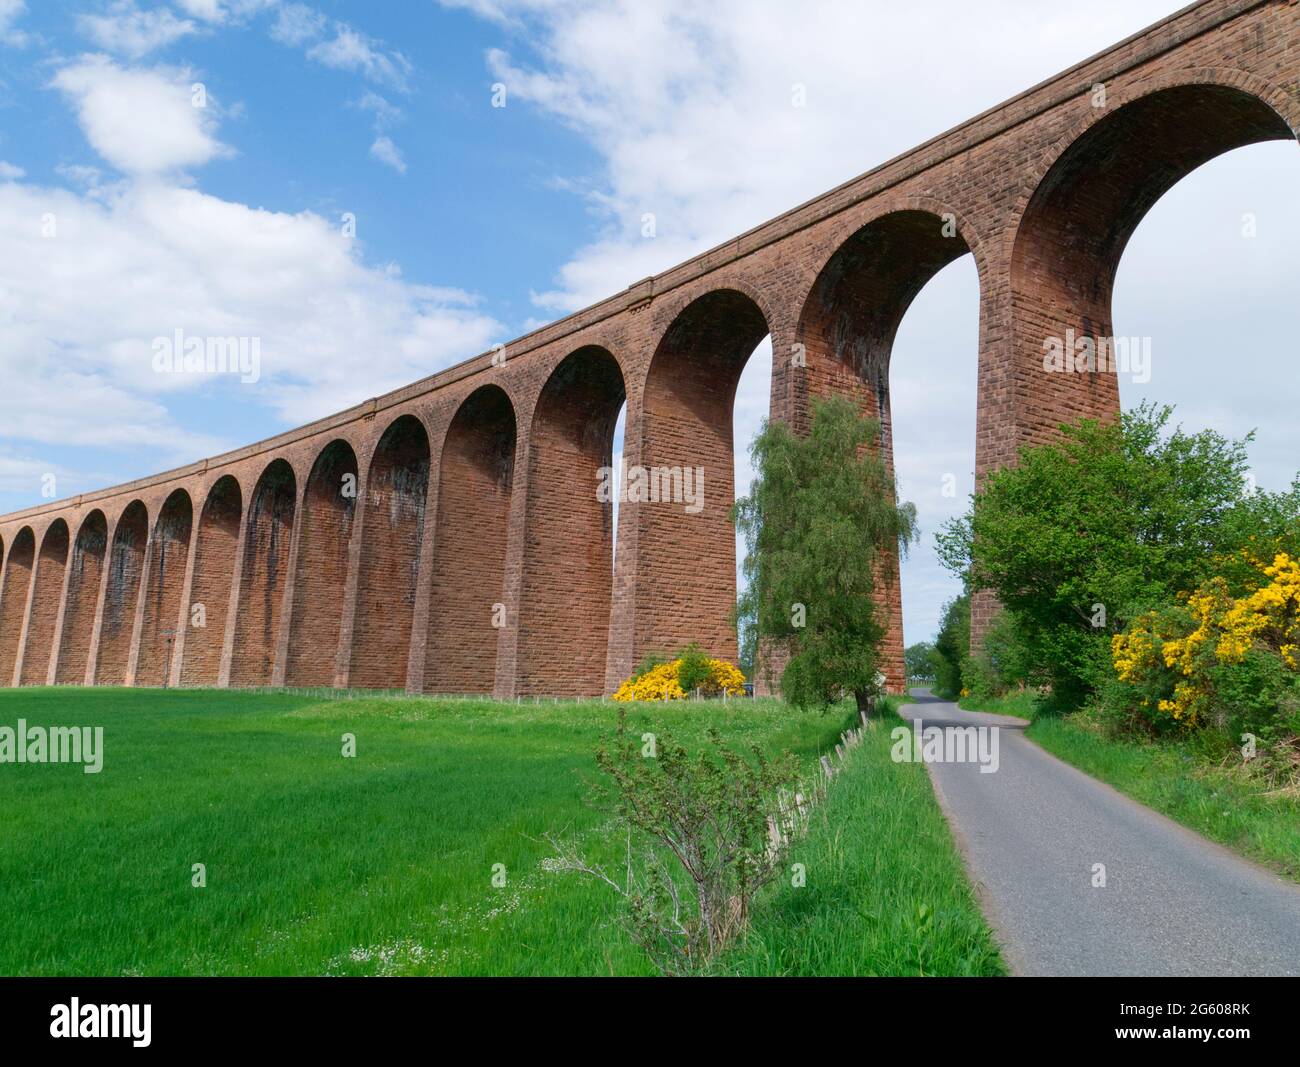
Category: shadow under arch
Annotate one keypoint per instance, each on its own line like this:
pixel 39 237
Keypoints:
pixel 268 528
pixel 466 602
pixel 565 598
pixel 169 552
pixel 47 591
pixel 393 530
pixel 328 509
pixel 87 572
pixel 13 599
pixel 686 475
pixel 122 594
pixel 215 555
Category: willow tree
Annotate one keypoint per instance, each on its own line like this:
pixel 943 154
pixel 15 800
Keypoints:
pixel 823 526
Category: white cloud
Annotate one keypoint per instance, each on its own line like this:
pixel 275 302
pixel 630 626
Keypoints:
pixel 9 172
pixel 91 279
pixel 388 153
pixel 140 121
pixel 296 24
pixel 10 12
pixel 131 31
pixel 79 312
pixel 221 12
pixel 337 45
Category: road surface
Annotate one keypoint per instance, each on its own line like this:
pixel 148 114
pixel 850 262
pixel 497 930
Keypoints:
pixel 1173 903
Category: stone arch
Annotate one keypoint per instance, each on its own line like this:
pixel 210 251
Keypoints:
pixel 393 529
pixel 13 599
pixel 122 594
pixel 84 580
pixel 686 430
pixel 852 313
pixel 565 596
pixel 214 575
pixel 475 479
pixel 265 570
pixel 329 508
pixel 169 551
pixel 1087 200
pixel 47 591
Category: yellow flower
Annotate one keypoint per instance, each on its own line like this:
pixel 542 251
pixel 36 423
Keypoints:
pixel 662 682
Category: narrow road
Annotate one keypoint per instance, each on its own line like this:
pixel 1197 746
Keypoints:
pixel 1173 903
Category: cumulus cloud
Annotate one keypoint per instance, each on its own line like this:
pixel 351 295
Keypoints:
pixel 97 273
pixel 140 121
pixel 132 31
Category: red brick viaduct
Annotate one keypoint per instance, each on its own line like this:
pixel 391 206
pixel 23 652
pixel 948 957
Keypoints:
pixel 448 537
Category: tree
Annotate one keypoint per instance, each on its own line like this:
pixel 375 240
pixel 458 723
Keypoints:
pixel 919 659
pixel 1085 533
pixel 951 647
pixel 822 522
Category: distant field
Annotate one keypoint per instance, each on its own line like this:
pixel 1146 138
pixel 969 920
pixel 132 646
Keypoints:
pixel 383 863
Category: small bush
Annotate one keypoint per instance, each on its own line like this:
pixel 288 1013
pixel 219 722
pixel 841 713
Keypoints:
pixel 678 678
pixel 697 841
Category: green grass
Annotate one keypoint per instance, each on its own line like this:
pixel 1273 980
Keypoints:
pixel 885 891
pixel 1214 799
pixel 383 864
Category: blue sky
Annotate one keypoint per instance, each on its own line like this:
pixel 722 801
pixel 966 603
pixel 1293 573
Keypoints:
pixel 477 223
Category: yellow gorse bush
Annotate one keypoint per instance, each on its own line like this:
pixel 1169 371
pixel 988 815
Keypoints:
pixel 661 682
pixel 1151 653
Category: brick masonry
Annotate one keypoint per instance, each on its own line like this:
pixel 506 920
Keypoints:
pixel 476 487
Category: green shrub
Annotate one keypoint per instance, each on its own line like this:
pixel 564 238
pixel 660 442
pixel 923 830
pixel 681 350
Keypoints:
pixel 693 671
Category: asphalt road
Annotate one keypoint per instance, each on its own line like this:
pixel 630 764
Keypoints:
pixel 1173 903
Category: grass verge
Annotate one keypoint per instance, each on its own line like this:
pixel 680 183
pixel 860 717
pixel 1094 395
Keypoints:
pixel 885 892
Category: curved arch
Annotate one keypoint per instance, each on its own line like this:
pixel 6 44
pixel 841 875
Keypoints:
pixel 1078 219
pixel 269 527
pixel 397 485
pixel 848 325
pixel 47 591
pixel 565 595
pixel 685 440
pixel 475 478
pixel 122 594
pixel 13 599
pixel 215 553
pixel 169 551
pixel 851 315
pixel 329 507
pixel 87 563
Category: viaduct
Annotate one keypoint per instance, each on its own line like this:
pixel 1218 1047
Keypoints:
pixel 473 551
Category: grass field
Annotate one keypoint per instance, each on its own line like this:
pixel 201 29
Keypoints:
pixel 1214 799
pixel 383 863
